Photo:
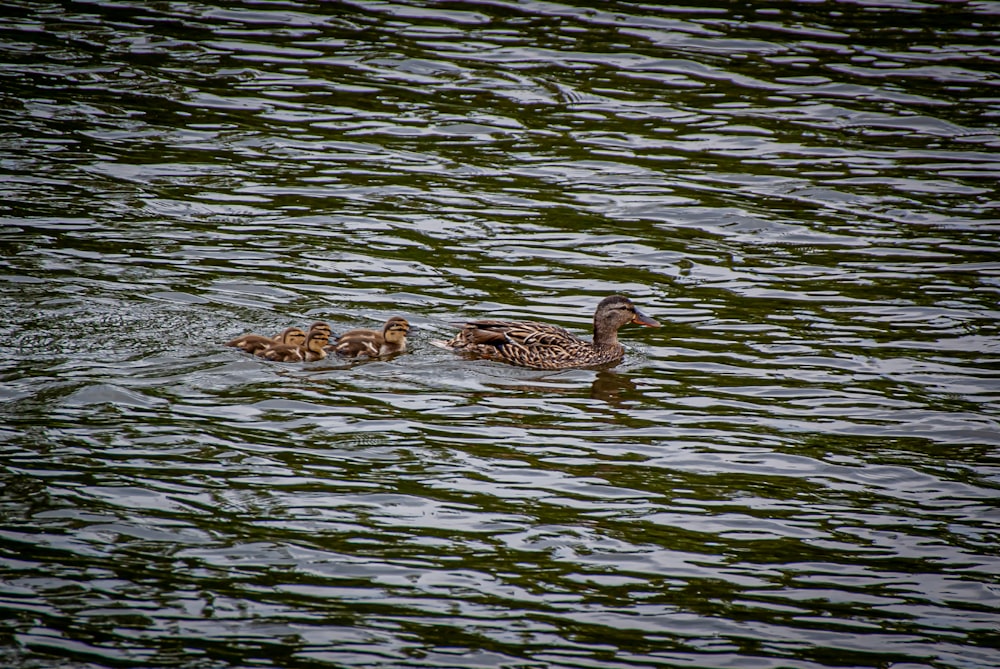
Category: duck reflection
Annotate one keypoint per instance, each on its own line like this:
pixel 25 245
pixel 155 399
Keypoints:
pixel 612 387
pixel 607 386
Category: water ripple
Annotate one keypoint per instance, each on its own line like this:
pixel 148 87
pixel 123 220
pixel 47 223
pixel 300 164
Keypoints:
pixel 800 468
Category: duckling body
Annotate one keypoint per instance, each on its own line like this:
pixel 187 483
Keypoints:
pixel 544 346
pixel 256 344
pixel 373 343
pixel 283 353
pixel 251 343
pixel 291 337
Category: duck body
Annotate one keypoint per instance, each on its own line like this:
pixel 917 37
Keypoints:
pixel 544 346
pixel 531 344
pixel 251 343
pixel 373 343
pixel 256 344
pixel 283 353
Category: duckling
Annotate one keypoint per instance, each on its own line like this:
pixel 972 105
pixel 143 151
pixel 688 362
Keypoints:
pixel 543 346
pixel 314 346
pixel 293 337
pixel 255 343
pixel 372 343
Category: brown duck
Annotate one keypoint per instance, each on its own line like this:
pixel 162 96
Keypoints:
pixel 373 343
pixel 543 346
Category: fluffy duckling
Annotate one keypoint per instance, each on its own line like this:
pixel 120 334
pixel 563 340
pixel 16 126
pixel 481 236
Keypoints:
pixel 290 337
pixel 314 347
pixel 543 346
pixel 308 350
pixel 372 343
pixel 256 344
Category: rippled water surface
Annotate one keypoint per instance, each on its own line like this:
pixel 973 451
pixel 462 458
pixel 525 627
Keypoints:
pixel 801 468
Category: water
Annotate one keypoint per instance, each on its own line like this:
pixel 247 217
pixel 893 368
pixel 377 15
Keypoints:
pixel 800 469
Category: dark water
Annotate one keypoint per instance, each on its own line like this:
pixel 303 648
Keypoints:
pixel 800 469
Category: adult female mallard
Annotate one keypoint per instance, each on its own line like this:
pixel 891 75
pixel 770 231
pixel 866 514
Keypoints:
pixel 543 346
pixel 256 344
pixel 372 343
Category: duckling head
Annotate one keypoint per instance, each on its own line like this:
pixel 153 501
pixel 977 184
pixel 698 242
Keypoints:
pixel 395 330
pixel 293 337
pixel 316 340
pixel 322 326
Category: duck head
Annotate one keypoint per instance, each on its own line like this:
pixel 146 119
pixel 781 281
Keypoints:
pixel 322 327
pixel 614 312
pixel 315 341
pixel 395 330
pixel 293 337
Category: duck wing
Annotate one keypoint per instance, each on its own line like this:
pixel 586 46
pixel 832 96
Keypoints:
pixel 523 343
pixel 526 333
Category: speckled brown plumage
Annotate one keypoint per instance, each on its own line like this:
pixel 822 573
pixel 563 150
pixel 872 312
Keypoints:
pixel 543 346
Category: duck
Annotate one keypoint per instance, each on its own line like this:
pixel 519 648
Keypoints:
pixel 373 343
pixel 544 346
pixel 314 347
pixel 256 344
pixel 310 349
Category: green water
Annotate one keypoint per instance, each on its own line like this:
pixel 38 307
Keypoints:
pixel 799 469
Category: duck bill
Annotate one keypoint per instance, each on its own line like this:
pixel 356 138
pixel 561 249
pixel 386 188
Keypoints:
pixel 642 319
